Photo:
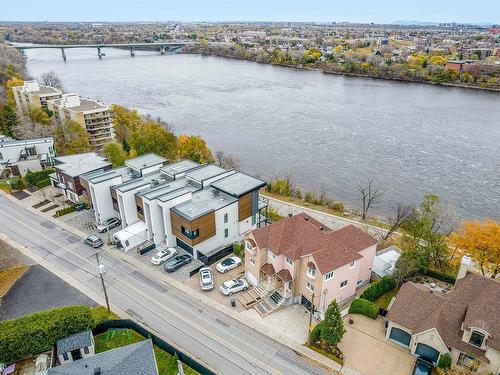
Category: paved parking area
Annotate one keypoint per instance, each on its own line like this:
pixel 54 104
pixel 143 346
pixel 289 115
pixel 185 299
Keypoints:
pixel 219 278
pixel 367 351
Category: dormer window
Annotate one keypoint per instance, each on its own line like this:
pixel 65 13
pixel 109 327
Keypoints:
pixel 476 339
pixel 288 261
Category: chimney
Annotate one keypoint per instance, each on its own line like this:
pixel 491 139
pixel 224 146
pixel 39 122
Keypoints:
pixel 465 266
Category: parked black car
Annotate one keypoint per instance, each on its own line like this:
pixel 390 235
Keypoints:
pixel 145 247
pixel 177 262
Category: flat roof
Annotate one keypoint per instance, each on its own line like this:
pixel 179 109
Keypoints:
pixel 205 172
pixel 46 90
pixel 87 105
pixel 8 141
pixel 202 202
pixel 179 167
pixel 76 165
pixel 238 184
pixel 145 161
pixel 96 177
pixel 141 181
pixel 165 188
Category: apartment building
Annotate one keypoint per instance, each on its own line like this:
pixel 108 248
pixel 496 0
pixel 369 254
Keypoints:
pixel 22 155
pixel 308 263
pixel 69 172
pixel 94 116
pixel 200 208
pixel 33 95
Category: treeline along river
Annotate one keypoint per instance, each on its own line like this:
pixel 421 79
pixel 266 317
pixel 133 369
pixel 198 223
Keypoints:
pixel 315 127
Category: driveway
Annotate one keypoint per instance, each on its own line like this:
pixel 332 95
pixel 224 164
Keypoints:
pixel 367 351
pixel 219 278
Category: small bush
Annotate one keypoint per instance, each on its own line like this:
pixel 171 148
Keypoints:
pixel 364 307
pixel 33 178
pixel 42 184
pixel 378 288
pixel 444 361
pixel 38 332
pixel 238 249
pixel 309 197
pixel 17 183
pixel 315 333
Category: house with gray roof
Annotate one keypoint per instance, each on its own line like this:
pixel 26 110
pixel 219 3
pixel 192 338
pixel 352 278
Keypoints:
pixel 133 359
pixel 464 322
pixel 74 347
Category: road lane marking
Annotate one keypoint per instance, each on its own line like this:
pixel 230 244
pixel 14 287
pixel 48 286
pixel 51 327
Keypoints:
pixel 164 307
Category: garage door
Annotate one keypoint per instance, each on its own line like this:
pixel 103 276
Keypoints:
pixel 427 352
pixel 185 246
pixel 400 336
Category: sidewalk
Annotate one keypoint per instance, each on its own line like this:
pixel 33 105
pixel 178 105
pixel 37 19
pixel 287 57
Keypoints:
pixel 249 321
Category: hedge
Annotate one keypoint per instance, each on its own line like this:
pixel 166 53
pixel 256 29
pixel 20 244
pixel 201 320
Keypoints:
pixel 364 307
pixel 439 276
pixel 66 210
pixel 17 183
pixel 33 178
pixel 378 288
pixel 43 183
pixel 38 332
pixel 100 315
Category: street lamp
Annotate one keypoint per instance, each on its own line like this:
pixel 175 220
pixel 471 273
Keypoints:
pixel 102 271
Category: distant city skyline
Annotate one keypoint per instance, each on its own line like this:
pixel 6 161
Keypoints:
pixel 362 11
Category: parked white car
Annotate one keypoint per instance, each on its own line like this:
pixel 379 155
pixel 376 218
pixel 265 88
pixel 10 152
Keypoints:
pixel 228 264
pixel 110 223
pixel 163 255
pixel 206 278
pixel 233 286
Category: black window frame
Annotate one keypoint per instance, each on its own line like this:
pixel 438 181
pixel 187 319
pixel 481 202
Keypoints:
pixel 477 333
pixel 226 218
pixel 191 234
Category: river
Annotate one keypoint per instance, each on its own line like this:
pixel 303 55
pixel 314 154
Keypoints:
pixel 317 128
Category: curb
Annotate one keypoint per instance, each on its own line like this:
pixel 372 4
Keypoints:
pixel 248 321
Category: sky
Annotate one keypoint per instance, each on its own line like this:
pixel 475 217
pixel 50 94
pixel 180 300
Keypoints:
pixel 365 11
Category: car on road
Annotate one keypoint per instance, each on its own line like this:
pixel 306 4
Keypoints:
pixel 163 255
pixel 175 263
pixel 230 287
pixel 107 224
pixel 228 264
pixel 422 367
pixel 93 241
pixel 206 278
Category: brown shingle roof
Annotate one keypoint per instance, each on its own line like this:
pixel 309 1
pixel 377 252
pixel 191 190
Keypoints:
pixel 301 235
pixel 268 269
pixel 284 275
pixel 474 302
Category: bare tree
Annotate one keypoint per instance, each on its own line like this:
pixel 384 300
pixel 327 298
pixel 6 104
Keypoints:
pixel 227 161
pixel 371 195
pixel 51 79
pixel 401 213
pixel 322 193
pixel 28 129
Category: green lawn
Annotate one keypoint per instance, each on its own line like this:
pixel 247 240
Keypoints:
pixel 384 300
pixel 118 338
pixel 4 186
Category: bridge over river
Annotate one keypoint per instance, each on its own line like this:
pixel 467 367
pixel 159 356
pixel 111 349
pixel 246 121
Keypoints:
pixel 161 47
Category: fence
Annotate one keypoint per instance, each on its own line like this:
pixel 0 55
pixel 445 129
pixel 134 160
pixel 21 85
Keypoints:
pixel 211 259
pixel 127 323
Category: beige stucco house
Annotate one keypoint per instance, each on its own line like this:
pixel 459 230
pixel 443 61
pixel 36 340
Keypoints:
pixel 307 262
pixel 464 323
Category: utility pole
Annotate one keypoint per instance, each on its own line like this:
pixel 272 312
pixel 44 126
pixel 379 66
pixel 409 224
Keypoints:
pixel 102 271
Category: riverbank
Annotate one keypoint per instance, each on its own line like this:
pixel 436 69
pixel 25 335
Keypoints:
pixel 341 73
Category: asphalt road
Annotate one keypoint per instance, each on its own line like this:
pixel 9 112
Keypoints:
pixel 224 344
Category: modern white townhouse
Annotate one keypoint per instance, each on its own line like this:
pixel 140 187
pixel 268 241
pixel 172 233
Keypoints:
pixel 33 95
pixel 22 155
pixel 93 115
pixel 201 208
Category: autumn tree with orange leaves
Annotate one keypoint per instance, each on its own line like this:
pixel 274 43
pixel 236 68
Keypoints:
pixel 482 241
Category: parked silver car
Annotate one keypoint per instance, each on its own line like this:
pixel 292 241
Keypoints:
pixel 233 286
pixel 206 278
pixel 93 241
